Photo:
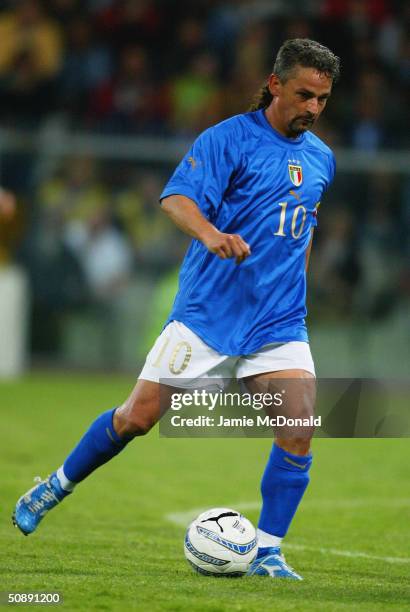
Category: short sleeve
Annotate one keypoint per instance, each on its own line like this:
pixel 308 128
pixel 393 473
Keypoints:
pixel 205 172
pixel 332 170
pixel 329 180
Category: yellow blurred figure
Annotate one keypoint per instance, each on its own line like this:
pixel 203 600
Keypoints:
pixel 26 31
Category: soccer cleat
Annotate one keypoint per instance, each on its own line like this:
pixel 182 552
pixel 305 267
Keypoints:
pixel 34 505
pixel 270 562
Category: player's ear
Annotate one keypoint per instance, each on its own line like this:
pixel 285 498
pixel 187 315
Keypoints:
pixel 274 85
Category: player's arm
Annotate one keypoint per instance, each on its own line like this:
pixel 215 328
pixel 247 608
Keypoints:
pixel 186 215
pixel 308 250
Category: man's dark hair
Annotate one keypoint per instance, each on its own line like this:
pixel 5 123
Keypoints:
pixel 299 52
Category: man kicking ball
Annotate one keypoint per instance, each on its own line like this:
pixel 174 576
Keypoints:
pixel 247 192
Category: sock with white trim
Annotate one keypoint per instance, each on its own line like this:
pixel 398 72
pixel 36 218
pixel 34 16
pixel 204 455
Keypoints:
pixel 65 484
pixel 266 540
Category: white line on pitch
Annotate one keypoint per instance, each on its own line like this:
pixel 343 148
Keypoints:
pixel 183 518
pixel 347 553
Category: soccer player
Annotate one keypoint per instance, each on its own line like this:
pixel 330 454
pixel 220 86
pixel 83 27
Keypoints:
pixel 247 192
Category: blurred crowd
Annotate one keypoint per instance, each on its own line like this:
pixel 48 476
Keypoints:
pixel 85 228
pixel 167 67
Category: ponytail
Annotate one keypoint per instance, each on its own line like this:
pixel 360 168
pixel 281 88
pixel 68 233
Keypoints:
pixel 262 99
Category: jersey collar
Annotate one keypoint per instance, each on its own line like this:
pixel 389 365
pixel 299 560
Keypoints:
pixel 293 142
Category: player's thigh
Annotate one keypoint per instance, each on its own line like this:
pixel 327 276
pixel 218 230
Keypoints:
pixel 297 392
pixel 286 369
pixel 178 360
pixel 296 389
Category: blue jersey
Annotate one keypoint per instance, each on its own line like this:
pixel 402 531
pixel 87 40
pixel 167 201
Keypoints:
pixel 248 179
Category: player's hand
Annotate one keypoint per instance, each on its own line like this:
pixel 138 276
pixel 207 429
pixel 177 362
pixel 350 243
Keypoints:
pixel 226 246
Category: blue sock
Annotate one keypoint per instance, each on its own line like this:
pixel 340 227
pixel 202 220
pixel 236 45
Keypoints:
pixel 97 446
pixel 283 484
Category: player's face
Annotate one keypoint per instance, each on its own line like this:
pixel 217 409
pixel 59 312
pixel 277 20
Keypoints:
pixel 298 102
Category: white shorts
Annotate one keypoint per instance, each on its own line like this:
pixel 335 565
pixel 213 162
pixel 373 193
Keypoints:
pixel 180 358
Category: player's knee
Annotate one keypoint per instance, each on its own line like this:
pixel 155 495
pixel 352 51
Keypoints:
pixel 132 422
pixel 136 425
pixel 296 446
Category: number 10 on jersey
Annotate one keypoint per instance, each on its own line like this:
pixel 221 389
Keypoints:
pixel 298 219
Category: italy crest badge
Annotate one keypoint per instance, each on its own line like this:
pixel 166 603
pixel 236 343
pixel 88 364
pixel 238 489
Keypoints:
pixel 295 173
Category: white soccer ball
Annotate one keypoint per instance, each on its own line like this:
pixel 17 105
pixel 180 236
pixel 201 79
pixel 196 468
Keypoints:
pixel 220 542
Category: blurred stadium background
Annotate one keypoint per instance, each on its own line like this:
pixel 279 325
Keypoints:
pixel 99 99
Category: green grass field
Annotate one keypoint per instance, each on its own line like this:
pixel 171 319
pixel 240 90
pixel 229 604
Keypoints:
pixel 113 545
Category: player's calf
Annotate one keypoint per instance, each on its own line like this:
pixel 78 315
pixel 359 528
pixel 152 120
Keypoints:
pixel 98 445
pixel 107 436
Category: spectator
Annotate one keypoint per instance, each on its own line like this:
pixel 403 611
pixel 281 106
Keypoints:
pixel 127 22
pixel 189 42
pixel 75 191
pixel 129 101
pixel 30 58
pixel 137 210
pixel 27 31
pixel 367 131
pixel 105 255
pixel 195 97
pixel 56 280
pixel 87 65
pixel 335 269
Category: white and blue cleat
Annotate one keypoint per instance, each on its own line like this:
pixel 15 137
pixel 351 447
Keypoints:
pixel 34 505
pixel 270 562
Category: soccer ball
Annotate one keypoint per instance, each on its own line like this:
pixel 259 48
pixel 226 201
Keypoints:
pixel 220 542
